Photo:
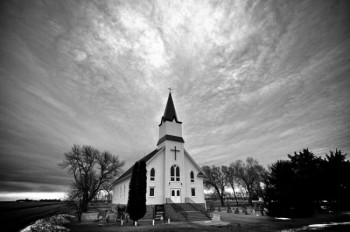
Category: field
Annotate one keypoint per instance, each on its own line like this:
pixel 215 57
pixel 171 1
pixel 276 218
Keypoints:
pixel 6 206
pixel 17 215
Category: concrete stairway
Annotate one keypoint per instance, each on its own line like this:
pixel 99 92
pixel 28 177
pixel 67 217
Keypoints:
pixel 192 214
pixel 195 216
pixel 186 207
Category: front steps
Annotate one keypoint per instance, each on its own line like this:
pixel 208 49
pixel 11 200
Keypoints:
pixel 195 216
pixel 190 213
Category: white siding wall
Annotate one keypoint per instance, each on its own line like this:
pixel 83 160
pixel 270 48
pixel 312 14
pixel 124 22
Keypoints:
pixel 121 192
pixel 170 128
pixel 170 161
pixel 162 184
pixel 197 184
pixel 158 164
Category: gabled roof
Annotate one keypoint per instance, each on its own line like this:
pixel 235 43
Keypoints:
pixel 200 174
pixel 149 157
pixel 169 112
pixel 129 171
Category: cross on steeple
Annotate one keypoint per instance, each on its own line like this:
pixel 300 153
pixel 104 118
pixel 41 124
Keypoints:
pixel 174 150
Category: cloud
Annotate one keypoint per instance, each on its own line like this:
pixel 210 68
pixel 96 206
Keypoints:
pixel 260 79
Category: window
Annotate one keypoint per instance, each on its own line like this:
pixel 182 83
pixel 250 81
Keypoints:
pixel 193 192
pixel 175 173
pixel 192 176
pixel 151 191
pixel 152 175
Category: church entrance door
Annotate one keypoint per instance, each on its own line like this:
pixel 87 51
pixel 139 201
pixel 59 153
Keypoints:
pixel 175 195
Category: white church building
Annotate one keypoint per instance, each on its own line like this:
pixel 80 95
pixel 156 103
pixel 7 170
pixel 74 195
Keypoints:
pixel 174 179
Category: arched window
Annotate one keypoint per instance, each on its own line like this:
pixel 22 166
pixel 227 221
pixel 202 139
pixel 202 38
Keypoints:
pixel 153 174
pixel 175 173
pixel 192 176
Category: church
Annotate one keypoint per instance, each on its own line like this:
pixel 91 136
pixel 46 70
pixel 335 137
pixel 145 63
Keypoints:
pixel 174 179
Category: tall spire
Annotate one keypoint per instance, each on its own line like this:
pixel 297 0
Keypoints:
pixel 169 112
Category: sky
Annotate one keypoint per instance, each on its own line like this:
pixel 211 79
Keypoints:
pixel 259 79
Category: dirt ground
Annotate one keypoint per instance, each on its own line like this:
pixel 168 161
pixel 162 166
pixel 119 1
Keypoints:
pixel 230 222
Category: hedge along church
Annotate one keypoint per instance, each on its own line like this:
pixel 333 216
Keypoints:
pixel 174 179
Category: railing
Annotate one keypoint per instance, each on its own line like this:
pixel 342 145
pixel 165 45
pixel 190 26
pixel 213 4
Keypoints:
pixel 169 201
pixel 196 206
pixel 176 207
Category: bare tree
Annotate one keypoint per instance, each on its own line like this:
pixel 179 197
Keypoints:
pixel 91 169
pixel 74 200
pixel 248 175
pixel 216 179
pixel 231 179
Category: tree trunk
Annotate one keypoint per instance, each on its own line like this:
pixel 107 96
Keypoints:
pixel 234 194
pixel 79 215
pixel 250 201
pixel 78 206
pixel 84 203
pixel 222 200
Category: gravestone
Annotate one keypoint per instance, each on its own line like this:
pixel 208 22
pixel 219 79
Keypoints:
pixel 216 217
pixel 229 210
pixel 249 210
pixel 244 210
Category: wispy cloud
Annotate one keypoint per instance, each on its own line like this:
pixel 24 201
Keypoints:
pixel 250 78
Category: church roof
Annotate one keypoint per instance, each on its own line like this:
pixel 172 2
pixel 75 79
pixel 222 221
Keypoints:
pixel 150 156
pixel 171 138
pixel 129 171
pixel 169 112
pixel 200 174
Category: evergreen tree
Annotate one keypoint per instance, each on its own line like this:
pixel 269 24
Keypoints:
pixel 298 186
pixel 279 189
pixel 336 175
pixel 307 184
pixel 137 191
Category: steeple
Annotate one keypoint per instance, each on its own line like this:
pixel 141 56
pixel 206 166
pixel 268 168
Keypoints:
pixel 170 128
pixel 169 112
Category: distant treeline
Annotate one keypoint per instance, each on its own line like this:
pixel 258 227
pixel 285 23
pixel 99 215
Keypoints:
pixel 41 200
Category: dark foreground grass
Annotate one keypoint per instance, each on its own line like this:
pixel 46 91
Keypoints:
pixel 143 226
pixel 238 223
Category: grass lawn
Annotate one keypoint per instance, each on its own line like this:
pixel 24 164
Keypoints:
pixel 239 223
pixel 143 225
pixel 266 224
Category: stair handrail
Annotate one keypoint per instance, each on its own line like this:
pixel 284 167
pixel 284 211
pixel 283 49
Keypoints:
pixel 196 206
pixel 176 207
